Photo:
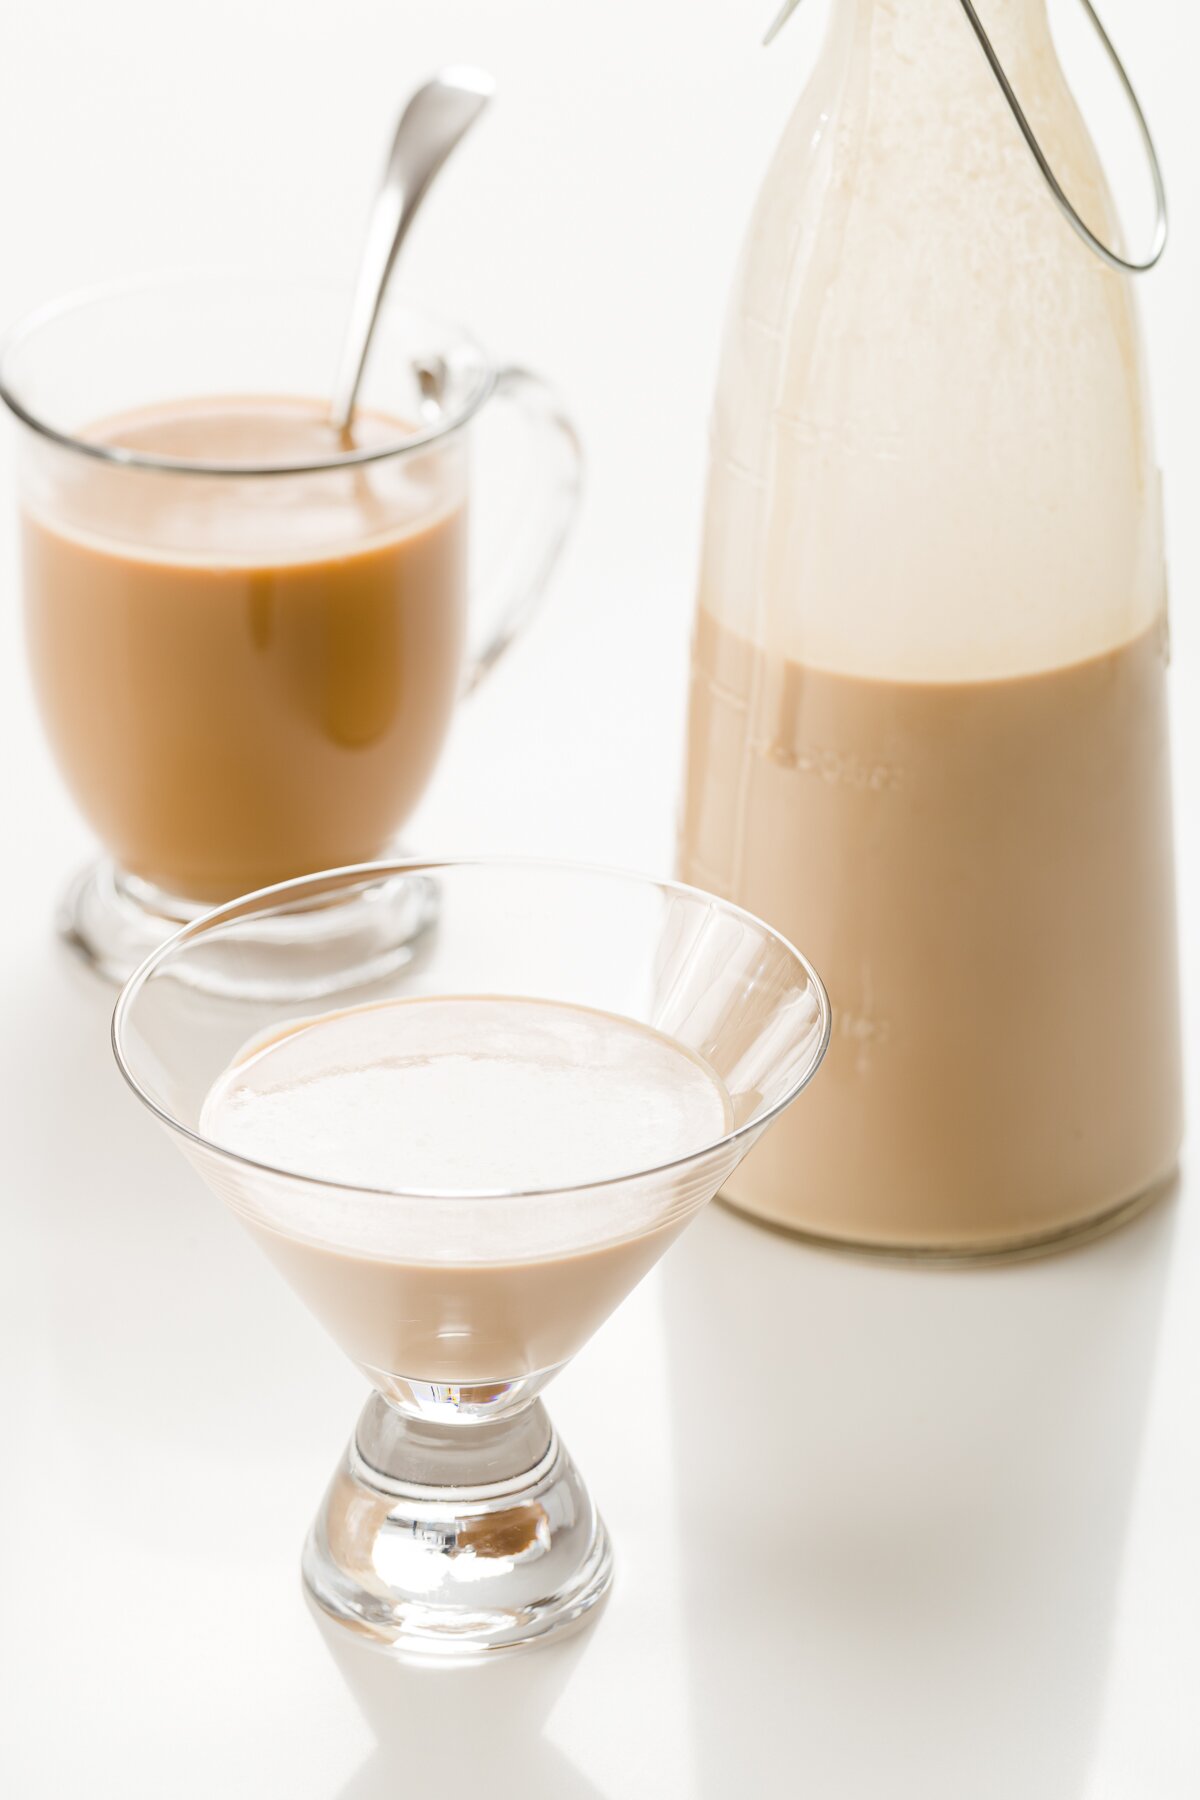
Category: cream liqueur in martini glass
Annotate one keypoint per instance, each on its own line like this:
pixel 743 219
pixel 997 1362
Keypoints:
pixel 462 1168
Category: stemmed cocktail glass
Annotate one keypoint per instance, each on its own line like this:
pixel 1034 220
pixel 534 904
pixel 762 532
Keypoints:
pixel 457 1521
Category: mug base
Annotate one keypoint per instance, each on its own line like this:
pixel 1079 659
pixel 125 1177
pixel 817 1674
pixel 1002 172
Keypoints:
pixel 113 922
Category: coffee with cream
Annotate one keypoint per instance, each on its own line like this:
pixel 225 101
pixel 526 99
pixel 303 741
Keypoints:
pixel 246 677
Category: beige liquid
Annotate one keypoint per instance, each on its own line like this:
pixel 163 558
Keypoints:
pixel 245 680
pixel 982 874
pixel 464 1094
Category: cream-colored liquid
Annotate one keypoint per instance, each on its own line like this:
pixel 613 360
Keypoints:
pixel 246 679
pixel 454 1094
pixel 982 873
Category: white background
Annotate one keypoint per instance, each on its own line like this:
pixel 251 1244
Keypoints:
pixel 881 1534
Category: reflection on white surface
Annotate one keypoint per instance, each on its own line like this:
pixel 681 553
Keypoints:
pixel 456 1733
pixel 907 1498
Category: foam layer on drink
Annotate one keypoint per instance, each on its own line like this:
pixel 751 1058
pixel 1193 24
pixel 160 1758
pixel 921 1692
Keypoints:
pixel 467 1093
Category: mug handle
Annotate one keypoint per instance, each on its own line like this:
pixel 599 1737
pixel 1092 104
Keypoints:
pixel 512 596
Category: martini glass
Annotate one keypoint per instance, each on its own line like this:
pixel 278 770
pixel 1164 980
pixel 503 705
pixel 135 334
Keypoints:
pixel 457 1522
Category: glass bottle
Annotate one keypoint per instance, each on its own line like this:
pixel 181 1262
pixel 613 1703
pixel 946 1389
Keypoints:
pixel 927 731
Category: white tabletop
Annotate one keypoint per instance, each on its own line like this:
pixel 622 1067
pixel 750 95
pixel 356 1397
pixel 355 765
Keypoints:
pixel 881 1533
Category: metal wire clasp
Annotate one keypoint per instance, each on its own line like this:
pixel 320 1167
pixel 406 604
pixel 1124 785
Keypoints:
pixel 1065 206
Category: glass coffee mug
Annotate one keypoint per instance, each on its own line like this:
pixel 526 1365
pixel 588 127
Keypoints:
pixel 247 630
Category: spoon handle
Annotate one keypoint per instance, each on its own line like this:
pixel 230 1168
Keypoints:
pixel 436 118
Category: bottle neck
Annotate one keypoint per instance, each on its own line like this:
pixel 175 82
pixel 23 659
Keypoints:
pixel 932 40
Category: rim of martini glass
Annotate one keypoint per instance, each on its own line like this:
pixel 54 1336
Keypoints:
pixel 270 900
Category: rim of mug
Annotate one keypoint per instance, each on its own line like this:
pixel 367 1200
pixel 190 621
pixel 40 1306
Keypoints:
pixel 268 901
pixel 79 299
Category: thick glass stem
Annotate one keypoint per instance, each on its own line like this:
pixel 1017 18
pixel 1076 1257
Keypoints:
pixel 454 1403
pixel 451 1538
pixel 392 1448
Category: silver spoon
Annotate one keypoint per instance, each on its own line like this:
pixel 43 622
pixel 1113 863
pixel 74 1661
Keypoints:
pixel 435 119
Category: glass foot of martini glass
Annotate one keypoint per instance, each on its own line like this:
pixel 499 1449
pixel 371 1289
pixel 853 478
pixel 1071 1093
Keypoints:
pixel 462 1168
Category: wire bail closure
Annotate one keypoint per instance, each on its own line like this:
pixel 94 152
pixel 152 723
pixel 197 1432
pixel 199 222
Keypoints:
pixel 1065 206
